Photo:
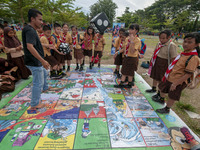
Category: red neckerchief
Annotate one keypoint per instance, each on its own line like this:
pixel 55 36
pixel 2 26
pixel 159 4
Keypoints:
pixel 1 41
pixel 64 38
pixel 127 47
pixel 155 54
pixel 74 40
pixel 88 41
pixel 97 42
pixel 171 66
pixel 58 37
pixel 49 39
pixel 41 35
pixel 120 46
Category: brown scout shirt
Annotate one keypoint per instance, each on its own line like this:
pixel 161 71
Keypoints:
pixel 58 41
pixel 86 41
pixel 78 46
pixel 44 40
pixel 100 45
pixel 180 70
pixel 164 51
pixel 68 38
pixel 137 43
pixel 117 44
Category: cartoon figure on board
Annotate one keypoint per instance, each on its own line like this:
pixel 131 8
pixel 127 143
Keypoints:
pixel 182 139
pixel 85 129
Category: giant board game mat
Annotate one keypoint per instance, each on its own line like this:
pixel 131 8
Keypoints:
pixel 86 112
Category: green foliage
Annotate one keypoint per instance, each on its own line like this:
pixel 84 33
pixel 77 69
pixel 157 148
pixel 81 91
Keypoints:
pixel 53 11
pixel 106 6
pixel 178 15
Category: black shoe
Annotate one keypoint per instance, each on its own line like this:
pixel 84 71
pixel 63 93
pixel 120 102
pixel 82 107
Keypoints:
pixel 68 69
pixel 155 96
pixel 158 100
pixel 99 65
pixel 163 110
pixel 55 76
pixel 77 67
pixel 115 72
pixel 81 68
pixel 90 66
pixel 127 86
pixel 119 76
pixel 119 86
pixel 83 63
pixel 63 68
pixel 63 74
pixel 150 91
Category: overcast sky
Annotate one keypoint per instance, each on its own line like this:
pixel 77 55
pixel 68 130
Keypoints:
pixel 122 4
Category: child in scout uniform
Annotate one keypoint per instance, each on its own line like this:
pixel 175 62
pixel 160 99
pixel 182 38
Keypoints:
pixel 67 39
pixel 78 53
pixel 130 61
pixel 47 45
pixel 1 39
pixel 89 36
pixel 56 36
pixel 179 71
pixel 118 46
pixel 164 54
pixel 99 47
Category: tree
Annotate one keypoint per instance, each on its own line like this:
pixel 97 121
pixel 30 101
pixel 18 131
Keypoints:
pixel 12 9
pixel 106 6
pixel 56 7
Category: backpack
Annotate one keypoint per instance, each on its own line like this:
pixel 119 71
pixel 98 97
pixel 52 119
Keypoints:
pixel 195 79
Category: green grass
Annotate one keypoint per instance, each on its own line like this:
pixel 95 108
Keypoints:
pixel 183 106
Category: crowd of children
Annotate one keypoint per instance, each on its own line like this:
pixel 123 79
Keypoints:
pixel 167 68
pixel 82 46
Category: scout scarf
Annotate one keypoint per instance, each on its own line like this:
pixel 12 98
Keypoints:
pixel 169 69
pixel 127 47
pixel 74 40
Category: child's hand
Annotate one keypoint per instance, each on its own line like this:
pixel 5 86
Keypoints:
pixel 7 72
pixel 173 87
pixel 51 46
pixel 5 82
pixel 12 78
pixel 61 53
pixel 115 55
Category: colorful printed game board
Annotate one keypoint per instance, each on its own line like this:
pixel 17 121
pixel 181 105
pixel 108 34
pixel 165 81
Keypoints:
pixel 84 111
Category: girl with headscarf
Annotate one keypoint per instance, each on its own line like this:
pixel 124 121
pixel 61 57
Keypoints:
pixel 15 52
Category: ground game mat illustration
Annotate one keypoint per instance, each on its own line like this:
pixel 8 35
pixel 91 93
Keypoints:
pixel 84 111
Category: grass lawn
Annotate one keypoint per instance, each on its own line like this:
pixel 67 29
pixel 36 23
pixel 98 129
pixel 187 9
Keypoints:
pixel 189 98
